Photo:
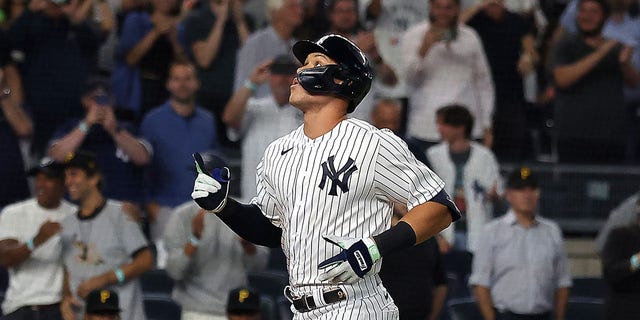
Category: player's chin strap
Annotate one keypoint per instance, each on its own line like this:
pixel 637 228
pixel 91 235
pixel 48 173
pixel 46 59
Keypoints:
pixel 358 255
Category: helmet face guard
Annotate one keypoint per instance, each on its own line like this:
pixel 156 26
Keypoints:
pixel 349 79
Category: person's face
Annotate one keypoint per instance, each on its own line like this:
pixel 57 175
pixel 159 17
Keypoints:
pixel 495 8
pixel 449 132
pixel 79 185
pixel 387 116
pixel 182 83
pixel 524 200
pixel 280 85
pixel 302 99
pixel 291 13
pixel 344 16
pixel 444 13
pixel 590 17
pixel 48 190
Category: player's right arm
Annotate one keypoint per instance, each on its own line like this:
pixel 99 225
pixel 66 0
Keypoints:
pixel 210 192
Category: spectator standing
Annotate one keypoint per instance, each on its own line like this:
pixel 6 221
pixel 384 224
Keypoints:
pixel 621 270
pixel 389 20
pixel 471 174
pixel 520 268
pixel 102 246
pixel 387 114
pixel 264 44
pixel 102 304
pixel 590 72
pixel 30 247
pixel 261 121
pixel 213 35
pixel 207 260
pixel 118 151
pixel 415 277
pixel 445 64
pixel 169 176
pixel 622 27
pixel 243 304
pixel 509 43
pixel 55 53
pixel 15 124
pixel 148 45
pixel 622 215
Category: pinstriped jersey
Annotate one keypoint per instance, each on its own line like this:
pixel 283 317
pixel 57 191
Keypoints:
pixel 342 183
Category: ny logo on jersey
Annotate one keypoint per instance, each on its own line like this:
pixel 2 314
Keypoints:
pixel 329 171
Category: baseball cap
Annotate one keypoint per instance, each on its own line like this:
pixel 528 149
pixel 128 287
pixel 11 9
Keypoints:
pixel 522 177
pixel 284 64
pixel 82 159
pixel 49 167
pixel 243 300
pixel 102 301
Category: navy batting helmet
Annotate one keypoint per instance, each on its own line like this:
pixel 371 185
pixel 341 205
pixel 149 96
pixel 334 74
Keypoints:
pixel 352 69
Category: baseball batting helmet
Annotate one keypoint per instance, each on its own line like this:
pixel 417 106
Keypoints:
pixel 352 69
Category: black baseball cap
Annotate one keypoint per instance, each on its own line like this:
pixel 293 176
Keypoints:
pixel 49 167
pixel 284 64
pixel 522 177
pixel 243 300
pixel 82 159
pixel 102 301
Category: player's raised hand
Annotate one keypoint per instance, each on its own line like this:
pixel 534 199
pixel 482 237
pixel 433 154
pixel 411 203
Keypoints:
pixel 210 190
pixel 352 263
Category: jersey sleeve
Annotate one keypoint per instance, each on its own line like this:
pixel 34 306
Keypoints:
pixel 400 177
pixel 264 197
pixel 131 235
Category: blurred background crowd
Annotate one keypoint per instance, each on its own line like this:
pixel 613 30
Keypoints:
pixel 124 91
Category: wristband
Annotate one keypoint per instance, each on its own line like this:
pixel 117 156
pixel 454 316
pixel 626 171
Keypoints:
pixel 83 126
pixel 250 85
pixel 397 237
pixel 119 274
pixel 30 245
pixel 194 241
pixel 634 262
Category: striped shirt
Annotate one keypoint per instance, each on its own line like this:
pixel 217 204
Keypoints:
pixel 341 183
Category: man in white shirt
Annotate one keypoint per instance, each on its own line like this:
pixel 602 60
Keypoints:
pixel 30 247
pixel 446 64
pixel 262 120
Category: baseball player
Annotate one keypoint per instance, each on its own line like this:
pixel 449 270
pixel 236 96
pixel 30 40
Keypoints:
pixel 325 192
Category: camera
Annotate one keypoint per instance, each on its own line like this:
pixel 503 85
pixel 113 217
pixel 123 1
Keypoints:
pixel 103 99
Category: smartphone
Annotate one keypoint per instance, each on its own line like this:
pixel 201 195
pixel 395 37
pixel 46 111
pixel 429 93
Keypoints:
pixel 102 99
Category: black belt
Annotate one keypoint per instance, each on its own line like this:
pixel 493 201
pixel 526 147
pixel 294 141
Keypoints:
pixel 307 302
pixel 531 316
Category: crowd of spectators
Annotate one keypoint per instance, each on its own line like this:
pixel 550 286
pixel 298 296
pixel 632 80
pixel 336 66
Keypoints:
pixel 141 85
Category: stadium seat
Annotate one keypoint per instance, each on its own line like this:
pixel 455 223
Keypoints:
pixel 592 287
pixel 156 282
pixel 463 309
pixel 580 308
pixel 161 307
pixel 270 283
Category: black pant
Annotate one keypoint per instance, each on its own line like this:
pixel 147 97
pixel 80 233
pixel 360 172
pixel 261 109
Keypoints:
pixel 50 312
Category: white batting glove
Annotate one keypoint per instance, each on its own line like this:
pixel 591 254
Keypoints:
pixel 210 191
pixel 354 261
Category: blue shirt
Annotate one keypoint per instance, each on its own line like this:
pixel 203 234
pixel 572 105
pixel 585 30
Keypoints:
pixel 173 139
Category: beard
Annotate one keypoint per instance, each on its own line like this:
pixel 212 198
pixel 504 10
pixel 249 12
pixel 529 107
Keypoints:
pixel 591 33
